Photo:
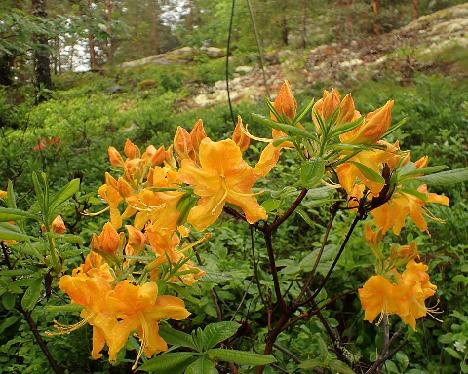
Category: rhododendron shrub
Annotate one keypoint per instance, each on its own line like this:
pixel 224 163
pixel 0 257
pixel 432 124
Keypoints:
pixel 162 203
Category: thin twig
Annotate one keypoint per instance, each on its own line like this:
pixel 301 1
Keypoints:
pixel 228 52
pixel 290 211
pixel 337 257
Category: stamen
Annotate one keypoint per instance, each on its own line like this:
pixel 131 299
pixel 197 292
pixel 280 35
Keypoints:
pixel 66 329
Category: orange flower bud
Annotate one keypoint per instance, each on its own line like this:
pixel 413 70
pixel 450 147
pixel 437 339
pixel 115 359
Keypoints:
pixel 149 153
pixel 131 150
pixel 108 241
pixel 326 106
pixel 114 157
pixel 183 146
pixel 136 241
pixel 58 226
pixel 285 103
pixel 348 112
pixel 3 194
pixel 422 162
pixel 110 180
pixel 239 137
pixel 197 134
pixel 375 125
pixel 159 156
pixel 124 188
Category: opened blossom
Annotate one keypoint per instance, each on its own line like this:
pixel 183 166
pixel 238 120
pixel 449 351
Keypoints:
pixel 223 177
pixel 139 308
pixel 404 295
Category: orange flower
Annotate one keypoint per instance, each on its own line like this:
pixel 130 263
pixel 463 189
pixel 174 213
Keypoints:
pixel 393 214
pixel 197 135
pixel 375 125
pixel 136 241
pixel 90 289
pixel 58 226
pixel 377 297
pixel 115 158
pixel 107 242
pixel 412 290
pixel 183 146
pixel 110 194
pixel 349 175
pixel 3 194
pixel 239 137
pixel 131 150
pixel 140 308
pixel 222 177
pixel 285 104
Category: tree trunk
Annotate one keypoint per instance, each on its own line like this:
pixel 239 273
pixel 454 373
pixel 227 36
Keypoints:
pixel 5 70
pixel 155 37
pixel 41 54
pixel 109 42
pixel 91 43
pixel 415 8
pixel 376 9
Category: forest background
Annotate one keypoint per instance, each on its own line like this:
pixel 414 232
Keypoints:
pixel 78 76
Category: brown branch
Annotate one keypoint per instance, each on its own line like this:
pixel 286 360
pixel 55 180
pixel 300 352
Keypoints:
pixel 337 257
pixel 273 270
pixel 288 213
pixel 310 278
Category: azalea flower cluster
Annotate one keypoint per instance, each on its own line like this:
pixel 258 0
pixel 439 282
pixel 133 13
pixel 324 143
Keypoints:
pixel 379 177
pixel 162 193
pixel 157 196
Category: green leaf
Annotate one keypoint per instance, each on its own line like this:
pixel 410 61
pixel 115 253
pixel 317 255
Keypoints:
pixel 11 197
pixel 32 294
pixel 69 308
pixel 340 367
pixel 13 214
pixel 8 300
pixel 288 129
pixel 368 172
pixel 428 170
pixel 64 194
pixel 201 366
pixel 176 337
pixel 7 322
pixel 304 112
pixel 303 214
pixel 348 126
pixel 217 332
pixel 11 232
pixel 311 364
pixel 271 205
pixel 16 272
pixel 312 172
pixel 445 178
pixel 169 363
pixel 241 357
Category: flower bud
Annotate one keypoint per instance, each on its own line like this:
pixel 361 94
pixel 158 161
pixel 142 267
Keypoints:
pixel 375 125
pixel 136 241
pixel 58 226
pixel 108 241
pixel 239 137
pixel 124 188
pixel 131 150
pixel 159 156
pixel 3 194
pixel 183 146
pixel 115 158
pixel 285 103
pixel 197 134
